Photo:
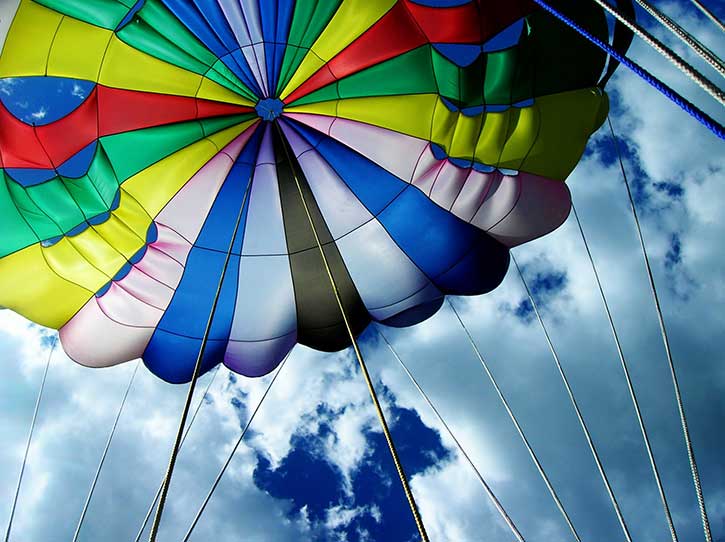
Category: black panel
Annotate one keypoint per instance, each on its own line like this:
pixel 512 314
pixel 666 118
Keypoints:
pixel 319 321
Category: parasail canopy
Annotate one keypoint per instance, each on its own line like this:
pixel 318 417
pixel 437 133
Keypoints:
pixel 428 137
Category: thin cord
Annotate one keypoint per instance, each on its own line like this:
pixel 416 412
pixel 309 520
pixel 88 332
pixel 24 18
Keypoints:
pixel 709 14
pixel 186 432
pixel 231 454
pixel 519 429
pixel 703 118
pixel 630 386
pixel 667 53
pixel 105 452
pixel 668 351
pixel 197 368
pixel 30 438
pixel 702 51
pixel 580 417
pixel 358 355
pixel 485 485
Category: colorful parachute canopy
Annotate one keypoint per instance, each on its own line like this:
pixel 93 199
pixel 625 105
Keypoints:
pixel 429 137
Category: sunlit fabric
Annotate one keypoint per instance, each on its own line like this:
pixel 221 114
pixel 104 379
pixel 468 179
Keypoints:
pixel 428 138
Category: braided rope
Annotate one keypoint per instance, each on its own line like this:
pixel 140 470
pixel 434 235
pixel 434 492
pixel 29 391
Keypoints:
pixel 676 60
pixel 703 118
pixel 702 51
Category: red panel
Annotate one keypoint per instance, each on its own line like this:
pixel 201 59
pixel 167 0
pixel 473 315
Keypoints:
pixel 106 111
pixel 19 145
pixel 66 136
pixel 394 34
pixel 470 23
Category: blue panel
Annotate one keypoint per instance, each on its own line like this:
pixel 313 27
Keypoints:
pixel 219 39
pixel 276 18
pixel 415 315
pixel 30 177
pixel 77 165
pixel 43 100
pixel 370 183
pixel 175 343
pixel 437 241
pixel 130 15
pixel 172 357
pixel 505 39
pixel 480 271
pixel 461 54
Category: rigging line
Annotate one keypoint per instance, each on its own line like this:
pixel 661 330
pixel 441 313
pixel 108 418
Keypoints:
pixel 579 415
pixel 186 432
pixel 103 455
pixel 666 342
pixel 630 386
pixel 485 485
pixel 709 14
pixel 30 438
pixel 358 354
pixel 702 51
pixel 234 451
pixel 688 107
pixel 676 60
pixel 519 429
pixel 197 370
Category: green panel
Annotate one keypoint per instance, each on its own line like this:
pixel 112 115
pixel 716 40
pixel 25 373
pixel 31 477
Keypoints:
pixel 55 201
pixel 103 178
pixel 41 224
pixel 409 73
pixel 131 152
pixel 157 32
pixel 104 13
pixel 86 196
pixel 16 234
pixel 308 21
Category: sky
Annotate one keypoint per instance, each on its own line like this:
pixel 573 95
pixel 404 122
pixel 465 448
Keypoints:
pixel 314 464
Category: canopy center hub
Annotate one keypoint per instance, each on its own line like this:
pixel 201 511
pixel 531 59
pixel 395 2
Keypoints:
pixel 269 108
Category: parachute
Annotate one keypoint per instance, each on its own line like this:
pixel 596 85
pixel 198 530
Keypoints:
pixel 186 159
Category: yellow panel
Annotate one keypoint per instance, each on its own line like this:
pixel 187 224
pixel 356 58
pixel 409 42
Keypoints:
pixel 545 139
pixel 410 114
pixel 78 50
pixel 210 90
pixel 96 250
pixel 465 135
pixel 351 19
pixel 567 120
pixel 29 39
pixel 127 68
pixel 29 287
pixel 156 185
pixel 524 126
pixel 493 137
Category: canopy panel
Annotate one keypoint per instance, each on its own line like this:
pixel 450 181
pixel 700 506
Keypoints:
pixel 427 138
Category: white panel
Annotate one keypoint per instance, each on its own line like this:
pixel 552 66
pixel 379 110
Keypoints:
pixel 499 204
pixel 258 358
pixel 264 229
pixel 428 293
pixel 342 211
pixel 187 210
pixel 92 339
pixel 265 306
pixel 448 185
pixel 381 271
pixel 7 13
pixel 477 188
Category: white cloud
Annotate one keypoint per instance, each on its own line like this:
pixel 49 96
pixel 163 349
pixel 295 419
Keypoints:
pixel 40 114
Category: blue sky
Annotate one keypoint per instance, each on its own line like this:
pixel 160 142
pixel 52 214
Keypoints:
pixel 315 465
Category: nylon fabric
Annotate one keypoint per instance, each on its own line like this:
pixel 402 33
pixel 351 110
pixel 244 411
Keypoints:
pixel 427 138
